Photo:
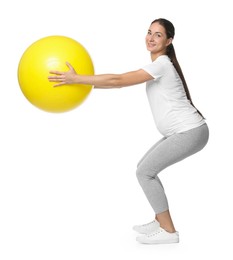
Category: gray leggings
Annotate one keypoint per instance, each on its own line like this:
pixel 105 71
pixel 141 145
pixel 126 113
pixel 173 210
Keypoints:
pixel 164 153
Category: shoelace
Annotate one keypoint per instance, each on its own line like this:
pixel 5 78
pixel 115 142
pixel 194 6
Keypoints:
pixel 148 223
pixel 155 233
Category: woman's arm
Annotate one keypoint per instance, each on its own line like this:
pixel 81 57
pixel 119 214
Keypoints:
pixel 99 81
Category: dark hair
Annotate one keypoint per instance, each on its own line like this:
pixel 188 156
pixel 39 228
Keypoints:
pixel 170 32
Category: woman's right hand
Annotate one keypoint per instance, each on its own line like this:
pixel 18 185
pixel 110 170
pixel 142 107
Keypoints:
pixel 63 77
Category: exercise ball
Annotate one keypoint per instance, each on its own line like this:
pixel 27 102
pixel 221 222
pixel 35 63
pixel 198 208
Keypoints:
pixel 52 53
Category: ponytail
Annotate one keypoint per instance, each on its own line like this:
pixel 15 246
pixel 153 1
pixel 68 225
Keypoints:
pixel 172 55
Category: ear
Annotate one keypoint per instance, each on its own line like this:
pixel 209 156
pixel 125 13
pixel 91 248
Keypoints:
pixel 169 41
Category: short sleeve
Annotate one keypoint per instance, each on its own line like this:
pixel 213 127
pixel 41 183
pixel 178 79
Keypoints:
pixel 155 69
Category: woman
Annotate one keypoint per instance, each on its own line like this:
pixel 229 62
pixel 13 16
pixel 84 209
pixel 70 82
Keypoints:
pixel 183 127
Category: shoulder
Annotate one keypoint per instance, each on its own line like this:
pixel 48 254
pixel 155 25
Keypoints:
pixel 162 60
pixel 159 66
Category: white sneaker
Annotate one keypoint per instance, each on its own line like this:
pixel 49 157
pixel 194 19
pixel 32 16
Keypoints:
pixel 147 228
pixel 160 236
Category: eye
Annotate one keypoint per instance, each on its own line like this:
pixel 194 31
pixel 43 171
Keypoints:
pixel 149 32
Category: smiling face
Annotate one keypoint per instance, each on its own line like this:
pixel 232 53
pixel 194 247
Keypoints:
pixel 156 40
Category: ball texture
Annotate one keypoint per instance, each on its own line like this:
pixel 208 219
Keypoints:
pixel 52 53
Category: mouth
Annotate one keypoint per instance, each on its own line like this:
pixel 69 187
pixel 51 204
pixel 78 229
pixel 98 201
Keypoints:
pixel 151 45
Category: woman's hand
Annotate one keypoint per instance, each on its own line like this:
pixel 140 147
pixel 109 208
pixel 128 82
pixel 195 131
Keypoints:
pixel 63 78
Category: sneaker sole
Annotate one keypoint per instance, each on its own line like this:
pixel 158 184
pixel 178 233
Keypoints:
pixel 170 241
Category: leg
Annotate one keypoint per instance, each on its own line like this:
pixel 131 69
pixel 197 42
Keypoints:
pixel 165 221
pixel 171 150
pixel 150 150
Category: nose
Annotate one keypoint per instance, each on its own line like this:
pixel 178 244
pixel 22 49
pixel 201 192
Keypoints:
pixel 151 38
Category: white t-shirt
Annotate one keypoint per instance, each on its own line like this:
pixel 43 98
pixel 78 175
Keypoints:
pixel 172 111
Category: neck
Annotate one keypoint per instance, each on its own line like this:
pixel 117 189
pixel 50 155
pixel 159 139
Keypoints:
pixel 154 56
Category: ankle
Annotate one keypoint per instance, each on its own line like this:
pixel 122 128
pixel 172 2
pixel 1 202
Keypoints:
pixel 165 221
pixel 168 229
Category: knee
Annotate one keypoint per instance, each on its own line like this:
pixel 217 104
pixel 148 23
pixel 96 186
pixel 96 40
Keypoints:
pixel 142 174
pixel 146 173
pixel 138 173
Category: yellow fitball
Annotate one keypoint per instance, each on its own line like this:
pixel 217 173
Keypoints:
pixel 52 53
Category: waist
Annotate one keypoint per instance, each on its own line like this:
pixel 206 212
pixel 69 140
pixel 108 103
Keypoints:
pixel 168 128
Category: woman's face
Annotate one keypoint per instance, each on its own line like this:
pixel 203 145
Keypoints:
pixel 156 40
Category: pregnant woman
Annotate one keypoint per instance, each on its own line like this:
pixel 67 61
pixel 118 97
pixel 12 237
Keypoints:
pixel 182 126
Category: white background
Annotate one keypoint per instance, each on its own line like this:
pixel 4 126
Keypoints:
pixel 68 188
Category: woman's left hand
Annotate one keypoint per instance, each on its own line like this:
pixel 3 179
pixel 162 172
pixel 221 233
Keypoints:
pixel 63 78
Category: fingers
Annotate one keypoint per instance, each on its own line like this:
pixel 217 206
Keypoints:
pixel 56 72
pixel 53 79
pixel 56 78
pixel 60 76
pixel 58 85
pixel 70 66
pixel 61 82
pixel 62 72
